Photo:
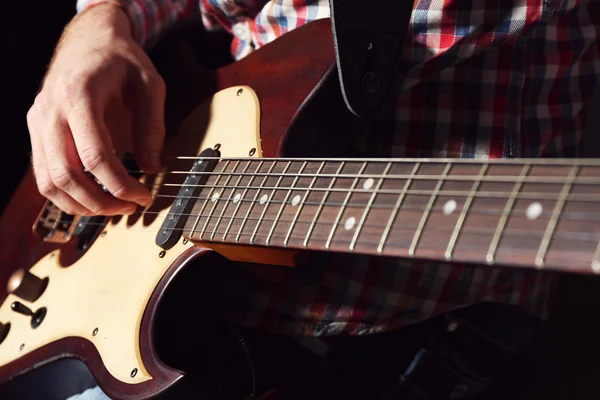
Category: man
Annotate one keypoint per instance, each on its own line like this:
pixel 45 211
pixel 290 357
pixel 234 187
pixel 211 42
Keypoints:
pixel 485 79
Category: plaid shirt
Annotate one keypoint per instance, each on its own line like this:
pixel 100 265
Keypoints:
pixel 486 79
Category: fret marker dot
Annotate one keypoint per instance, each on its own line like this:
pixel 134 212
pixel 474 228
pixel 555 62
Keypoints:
pixel 214 197
pixel 534 211
pixel 263 199
pixel 449 207
pixel 237 198
pixel 296 200
pixel 368 184
pixel 349 224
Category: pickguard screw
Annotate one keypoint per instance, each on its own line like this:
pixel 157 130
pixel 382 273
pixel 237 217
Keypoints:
pixel 103 234
pixel 370 46
pixel 133 372
pixel 95 332
pixel 22 346
pixel 185 241
pixel 217 146
pixel 239 92
pixel 52 256
pixel 162 254
pixel 252 152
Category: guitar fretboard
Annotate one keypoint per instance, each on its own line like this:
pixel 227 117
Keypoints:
pixel 538 213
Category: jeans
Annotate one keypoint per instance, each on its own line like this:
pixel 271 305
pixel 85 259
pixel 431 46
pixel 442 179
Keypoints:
pixel 94 393
pixel 454 356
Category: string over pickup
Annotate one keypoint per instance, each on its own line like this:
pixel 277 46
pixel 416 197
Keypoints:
pixel 173 225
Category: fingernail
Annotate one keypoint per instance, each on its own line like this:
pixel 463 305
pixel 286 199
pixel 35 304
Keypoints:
pixel 144 201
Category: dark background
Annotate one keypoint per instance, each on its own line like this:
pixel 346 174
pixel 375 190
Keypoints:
pixel 30 29
pixel 563 365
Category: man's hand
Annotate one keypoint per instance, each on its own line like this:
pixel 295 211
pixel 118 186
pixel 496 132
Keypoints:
pixel 101 93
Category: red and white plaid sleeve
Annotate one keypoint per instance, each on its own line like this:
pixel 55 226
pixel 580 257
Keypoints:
pixel 150 17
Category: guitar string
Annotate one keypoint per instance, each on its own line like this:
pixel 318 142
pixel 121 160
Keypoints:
pixel 591 237
pixel 539 196
pixel 592 162
pixel 566 215
pixel 582 180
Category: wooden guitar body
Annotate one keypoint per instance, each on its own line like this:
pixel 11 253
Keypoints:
pixel 101 301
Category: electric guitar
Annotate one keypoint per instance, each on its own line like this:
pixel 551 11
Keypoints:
pixel 236 181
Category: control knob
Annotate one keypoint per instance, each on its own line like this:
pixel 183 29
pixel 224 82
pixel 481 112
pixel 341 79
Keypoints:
pixel 26 285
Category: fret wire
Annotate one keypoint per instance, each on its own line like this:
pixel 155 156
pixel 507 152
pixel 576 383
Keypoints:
pixel 216 202
pixel 321 204
pixel 504 217
pixel 227 202
pixel 343 207
pixel 539 259
pixel 301 205
pixel 396 208
pixel 251 207
pixel 425 217
pixel 596 260
pixel 463 214
pixel 260 164
pixel 267 203
pixel 206 201
pixel 284 203
pixel 368 207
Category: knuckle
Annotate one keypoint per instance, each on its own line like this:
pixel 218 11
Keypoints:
pixel 62 177
pixel 98 210
pixel 155 82
pixel 120 192
pixel 46 188
pixel 70 210
pixel 93 158
pixel 39 106
pixel 72 89
pixel 30 117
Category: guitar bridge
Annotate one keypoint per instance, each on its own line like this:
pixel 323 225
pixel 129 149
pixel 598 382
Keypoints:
pixel 54 225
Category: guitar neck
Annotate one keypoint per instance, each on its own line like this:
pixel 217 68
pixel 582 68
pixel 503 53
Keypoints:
pixel 527 213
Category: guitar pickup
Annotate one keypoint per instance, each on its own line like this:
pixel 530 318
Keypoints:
pixel 172 227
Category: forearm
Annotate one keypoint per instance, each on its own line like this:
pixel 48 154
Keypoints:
pixel 149 18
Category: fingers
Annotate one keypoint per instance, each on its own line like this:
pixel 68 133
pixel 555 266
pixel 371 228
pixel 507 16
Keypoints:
pixel 68 176
pixel 149 122
pixel 61 150
pixel 94 148
pixel 44 183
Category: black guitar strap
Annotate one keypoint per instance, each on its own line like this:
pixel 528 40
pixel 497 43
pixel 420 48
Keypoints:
pixel 368 36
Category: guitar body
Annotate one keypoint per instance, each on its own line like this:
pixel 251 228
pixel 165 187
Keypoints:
pixel 101 301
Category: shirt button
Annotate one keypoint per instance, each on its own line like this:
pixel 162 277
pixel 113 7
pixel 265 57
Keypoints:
pixel 452 326
pixel 459 391
pixel 240 32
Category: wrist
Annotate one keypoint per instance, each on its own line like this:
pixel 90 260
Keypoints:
pixel 108 16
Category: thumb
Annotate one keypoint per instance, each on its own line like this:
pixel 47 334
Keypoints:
pixel 149 123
